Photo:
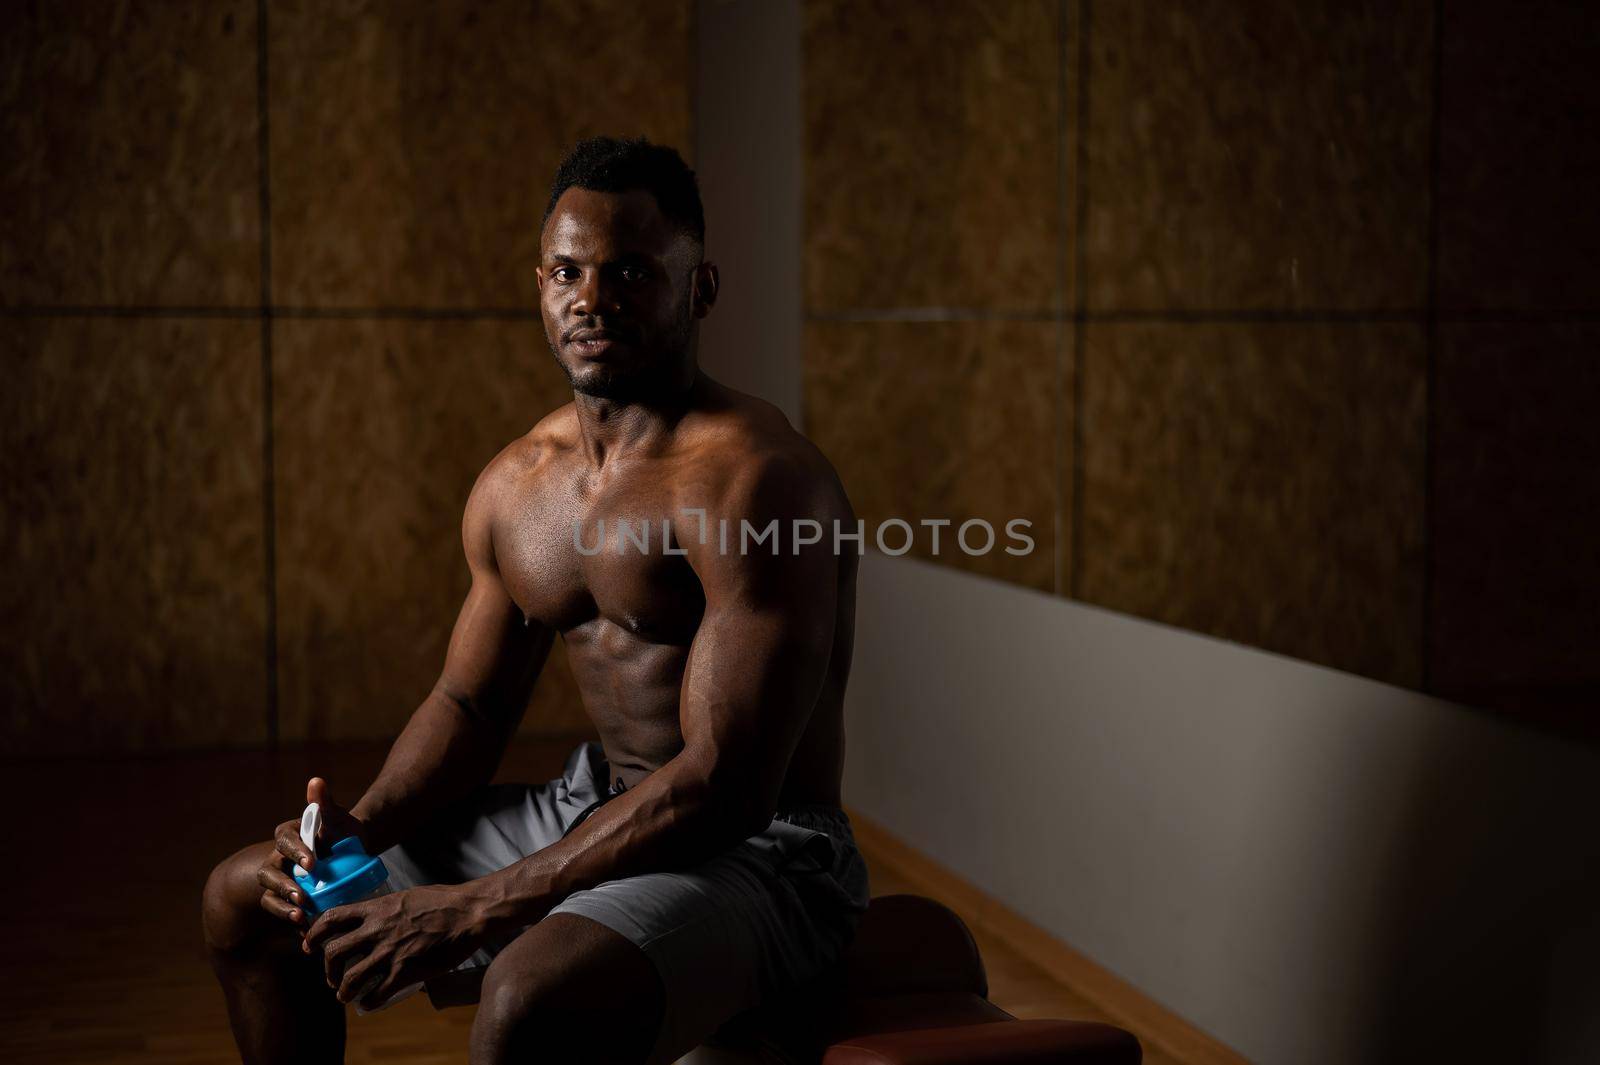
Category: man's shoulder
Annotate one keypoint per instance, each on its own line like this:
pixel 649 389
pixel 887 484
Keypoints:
pixel 555 435
pixel 523 459
pixel 747 456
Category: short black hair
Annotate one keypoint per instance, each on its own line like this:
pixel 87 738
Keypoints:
pixel 612 164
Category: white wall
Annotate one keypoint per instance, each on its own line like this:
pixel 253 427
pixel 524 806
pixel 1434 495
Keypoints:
pixel 747 157
pixel 1310 865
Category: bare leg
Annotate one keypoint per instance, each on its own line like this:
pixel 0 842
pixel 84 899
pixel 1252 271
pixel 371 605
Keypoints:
pixel 279 1003
pixel 568 990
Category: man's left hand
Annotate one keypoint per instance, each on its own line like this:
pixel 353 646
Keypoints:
pixel 376 947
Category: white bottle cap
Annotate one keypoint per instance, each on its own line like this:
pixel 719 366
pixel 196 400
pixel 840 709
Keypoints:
pixel 310 824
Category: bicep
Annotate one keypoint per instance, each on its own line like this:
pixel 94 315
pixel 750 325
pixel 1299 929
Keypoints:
pixel 758 664
pixel 495 653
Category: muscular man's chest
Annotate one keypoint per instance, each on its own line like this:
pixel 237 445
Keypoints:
pixel 568 561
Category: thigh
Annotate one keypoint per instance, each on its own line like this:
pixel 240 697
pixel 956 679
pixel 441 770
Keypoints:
pixel 734 932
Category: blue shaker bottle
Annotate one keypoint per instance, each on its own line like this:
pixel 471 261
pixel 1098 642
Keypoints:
pixel 347 873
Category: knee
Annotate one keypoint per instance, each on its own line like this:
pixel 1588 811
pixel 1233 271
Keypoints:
pixel 570 990
pixel 514 1015
pixel 540 1012
pixel 230 905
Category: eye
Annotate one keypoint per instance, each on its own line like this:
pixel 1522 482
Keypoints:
pixel 634 274
pixel 565 274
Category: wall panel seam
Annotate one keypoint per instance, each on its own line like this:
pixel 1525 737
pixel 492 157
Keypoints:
pixel 1080 302
pixel 1431 350
pixel 1175 316
pixel 268 479
pixel 1061 529
pixel 1221 316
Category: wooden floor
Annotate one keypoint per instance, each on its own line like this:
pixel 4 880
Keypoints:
pixel 103 960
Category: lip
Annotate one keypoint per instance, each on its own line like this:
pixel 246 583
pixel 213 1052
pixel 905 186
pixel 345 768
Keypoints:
pixel 599 346
pixel 594 342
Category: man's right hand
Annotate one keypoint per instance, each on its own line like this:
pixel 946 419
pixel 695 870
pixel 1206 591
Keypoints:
pixel 280 894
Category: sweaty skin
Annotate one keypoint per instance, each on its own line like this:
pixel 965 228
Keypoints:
pixel 715 678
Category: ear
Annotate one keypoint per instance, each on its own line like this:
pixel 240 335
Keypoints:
pixel 707 282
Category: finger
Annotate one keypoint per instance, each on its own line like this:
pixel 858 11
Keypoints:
pixel 337 822
pixel 279 883
pixel 356 977
pixel 339 955
pixel 291 846
pixel 376 995
pixel 282 910
pixel 329 923
pixel 317 791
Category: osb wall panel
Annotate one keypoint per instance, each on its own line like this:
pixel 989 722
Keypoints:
pixel 1258 155
pixel 409 150
pixel 133 607
pixel 413 144
pixel 880 401
pixel 932 163
pixel 1263 483
pixel 129 169
pixel 1248 343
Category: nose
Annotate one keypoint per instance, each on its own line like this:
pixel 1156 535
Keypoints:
pixel 595 295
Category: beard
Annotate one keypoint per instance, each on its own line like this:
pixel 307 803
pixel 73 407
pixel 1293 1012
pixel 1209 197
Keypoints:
pixel 618 386
pixel 656 372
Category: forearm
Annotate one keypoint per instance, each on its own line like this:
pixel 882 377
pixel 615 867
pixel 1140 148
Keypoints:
pixel 676 817
pixel 444 753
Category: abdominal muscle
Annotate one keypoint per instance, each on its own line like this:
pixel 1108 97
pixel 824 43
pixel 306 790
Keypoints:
pixel 631 688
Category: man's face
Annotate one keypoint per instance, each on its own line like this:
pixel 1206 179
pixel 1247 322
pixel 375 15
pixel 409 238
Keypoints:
pixel 616 292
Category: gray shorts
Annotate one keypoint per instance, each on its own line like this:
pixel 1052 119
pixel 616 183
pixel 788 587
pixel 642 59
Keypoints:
pixel 725 935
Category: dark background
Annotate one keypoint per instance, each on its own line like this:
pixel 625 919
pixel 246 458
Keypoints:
pixel 1278 321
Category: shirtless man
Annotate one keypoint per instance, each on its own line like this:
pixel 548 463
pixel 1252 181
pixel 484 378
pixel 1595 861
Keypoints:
pixel 696 859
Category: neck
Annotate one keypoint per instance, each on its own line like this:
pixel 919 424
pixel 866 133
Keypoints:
pixel 611 427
